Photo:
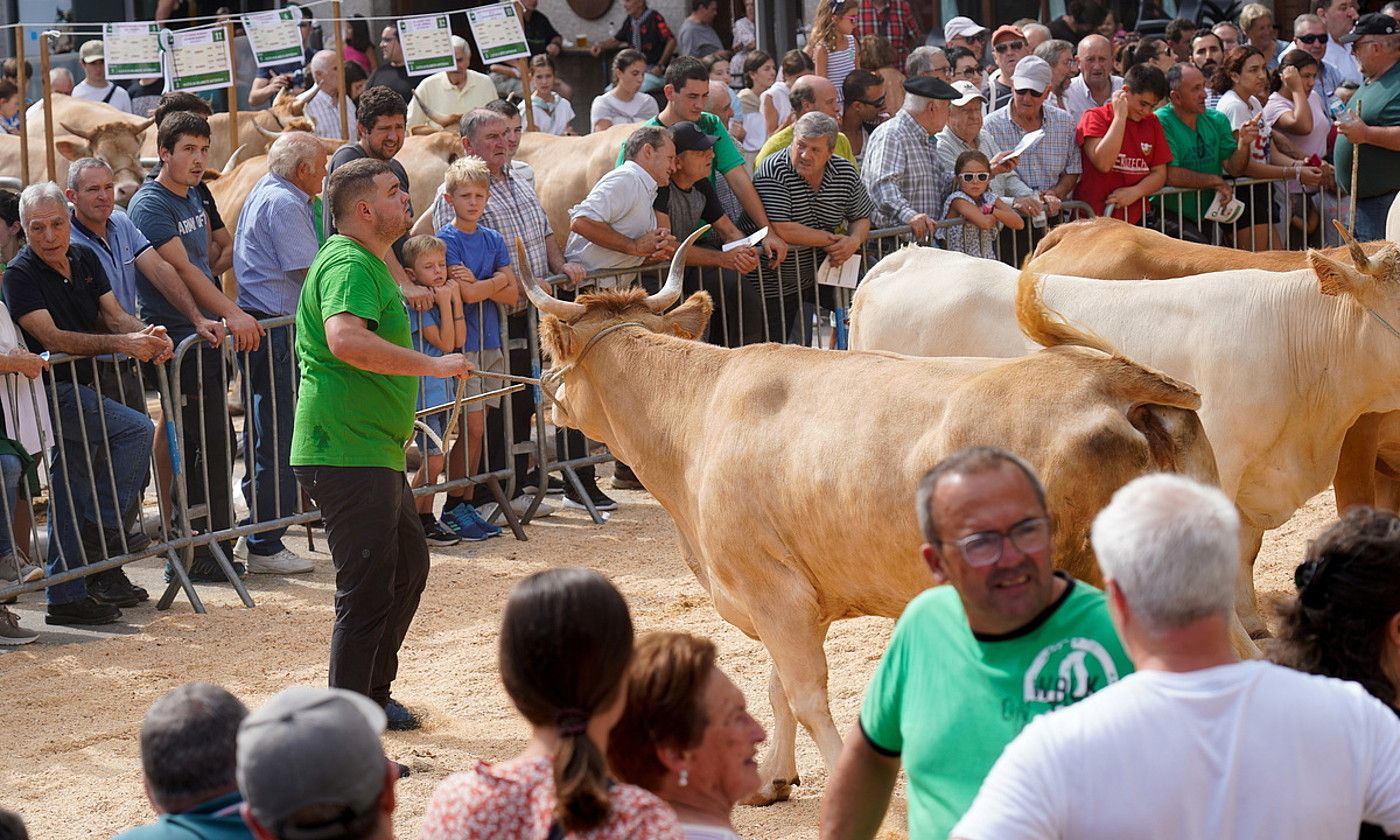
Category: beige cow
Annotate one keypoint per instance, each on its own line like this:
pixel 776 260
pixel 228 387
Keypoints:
pixel 82 127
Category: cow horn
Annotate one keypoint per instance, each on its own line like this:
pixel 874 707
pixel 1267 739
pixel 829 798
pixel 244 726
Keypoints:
pixel 545 302
pixel 298 105
pixel 434 118
pixel 144 125
pixel 662 300
pixel 236 158
pixel 1358 254
pixel 86 135
pixel 265 131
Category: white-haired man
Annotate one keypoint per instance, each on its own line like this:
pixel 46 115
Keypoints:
pixel 458 91
pixel 324 108
pixel 1195 743
pixel 903 173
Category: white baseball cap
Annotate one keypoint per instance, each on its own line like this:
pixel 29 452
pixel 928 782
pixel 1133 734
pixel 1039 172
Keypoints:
pixel 967 92
pixel 961 27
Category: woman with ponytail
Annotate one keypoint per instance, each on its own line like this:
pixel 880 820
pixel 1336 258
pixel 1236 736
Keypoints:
pixel 566 643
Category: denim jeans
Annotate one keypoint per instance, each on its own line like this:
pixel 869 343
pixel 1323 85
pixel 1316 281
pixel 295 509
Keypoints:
pixel 1370 216
pixel 269 485
pixel 10 467
pixel 121 465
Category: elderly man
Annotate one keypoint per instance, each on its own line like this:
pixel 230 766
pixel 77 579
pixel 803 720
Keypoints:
pixel 95 85
pixel 971 663
pixel 1096 82
pixel 391 72
pixel 1340 16
pixel 1229 35
pixel 1195 743
pixel 615 226
pixel 928 61
pixel 289 76
pixel 354 410
pixel 964 133
pixel 904 175
pixel 275 247
pixel 1009 46
pixel 810 193
pixel 1310 36
pixel 324 109
pixel 189 750
pixel 1063 67
pixel 60 81
pixel 894 21
pixel 811 93
pixel 1125 151
pixel 60 297
pixel 452 93
pixel 864 95
pixel 966 33
pixel 1370 126
pixel 1203 149
pixel 644 30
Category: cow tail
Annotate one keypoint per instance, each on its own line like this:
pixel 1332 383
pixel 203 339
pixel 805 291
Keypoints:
pixel 1045 326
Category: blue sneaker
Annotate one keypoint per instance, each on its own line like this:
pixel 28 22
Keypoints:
pixel 486 527
pixel 463 524
pixel 399 718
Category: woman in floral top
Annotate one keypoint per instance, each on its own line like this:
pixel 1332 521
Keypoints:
pixel 566 642
pixel 972 203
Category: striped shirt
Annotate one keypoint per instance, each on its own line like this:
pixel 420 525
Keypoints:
pixel 903 172
pixel 839 65
pixel 1042 165
pixel 787 197
pixel 324 112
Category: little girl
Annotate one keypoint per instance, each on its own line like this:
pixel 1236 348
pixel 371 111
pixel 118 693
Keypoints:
pixel 972 202
pixel 553 113
pixel 833 42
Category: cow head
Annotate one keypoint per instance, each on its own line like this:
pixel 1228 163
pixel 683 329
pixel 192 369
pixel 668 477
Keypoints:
pixel 1374 281
pixel 119 144
pixel 569 330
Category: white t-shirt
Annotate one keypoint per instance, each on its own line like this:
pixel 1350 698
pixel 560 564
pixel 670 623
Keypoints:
pixel 1245 750
pixel 782 102
pixel 1078 99
pixel 609 107
pixel 1240 112
pixel 120 99
pixel 552 117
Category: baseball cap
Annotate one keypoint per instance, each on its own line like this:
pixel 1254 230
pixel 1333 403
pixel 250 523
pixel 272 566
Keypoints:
pixel 312 747
pixel 689 138
pixel 1373 23
pixel 961 27
pixel 91 51
pixel 967 92
pixel 1032 72
pixel 1007 30
pixel 930 88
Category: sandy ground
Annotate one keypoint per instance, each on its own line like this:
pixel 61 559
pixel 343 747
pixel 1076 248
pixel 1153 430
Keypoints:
pixel 73 703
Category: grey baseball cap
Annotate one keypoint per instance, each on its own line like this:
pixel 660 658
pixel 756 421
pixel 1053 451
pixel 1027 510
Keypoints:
pixel 312 748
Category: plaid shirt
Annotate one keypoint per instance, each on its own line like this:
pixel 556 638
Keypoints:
pixel 1043 164
pixel 511 210
pixel 895 22
pixel 903 172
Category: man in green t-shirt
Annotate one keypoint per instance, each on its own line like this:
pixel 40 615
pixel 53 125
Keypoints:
pixel 971 663
pixel 1372 120
pixel 354 412
pixel 1204 150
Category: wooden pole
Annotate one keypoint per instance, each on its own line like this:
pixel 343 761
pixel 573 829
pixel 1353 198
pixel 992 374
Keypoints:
pixel 340 70
pixel 23 107
pixel 525 88
pixel 232 91
pixel 48 105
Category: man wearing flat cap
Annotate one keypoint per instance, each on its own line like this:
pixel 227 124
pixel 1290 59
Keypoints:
pixel 902 171
pixel 1370 126
pixel 310 767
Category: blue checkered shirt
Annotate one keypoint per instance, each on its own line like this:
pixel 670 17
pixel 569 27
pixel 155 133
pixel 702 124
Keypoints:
pixel 1042 165
pixel 903 172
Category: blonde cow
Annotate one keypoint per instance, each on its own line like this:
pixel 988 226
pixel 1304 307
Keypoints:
pixel 81 128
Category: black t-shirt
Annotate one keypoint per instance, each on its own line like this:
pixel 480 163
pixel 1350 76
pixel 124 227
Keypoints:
pixel 538 32
pixel 216 222
pixel 687 208
pixel 354 151
pixel 395 78
pixel 73 302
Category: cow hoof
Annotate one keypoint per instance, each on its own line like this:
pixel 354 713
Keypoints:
pixel 775 791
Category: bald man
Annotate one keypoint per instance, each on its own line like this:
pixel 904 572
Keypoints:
pixel 1096 82
pixel 809 93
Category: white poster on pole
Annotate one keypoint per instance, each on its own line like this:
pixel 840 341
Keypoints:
pixel 499 33
pixel 275 37
pixel 198 59
pixel 427 44
pixel 132 50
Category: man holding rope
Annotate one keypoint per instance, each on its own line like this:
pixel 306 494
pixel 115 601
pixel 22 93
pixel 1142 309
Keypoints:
pixel 354 413
pixel 1372 118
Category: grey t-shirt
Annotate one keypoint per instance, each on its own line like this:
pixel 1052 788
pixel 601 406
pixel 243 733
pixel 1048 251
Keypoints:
pixel 161 216
pixel 686 209
pixel 698 39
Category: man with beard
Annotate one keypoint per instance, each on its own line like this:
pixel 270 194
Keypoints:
pixel 359 382
pixel 1206 52
pixel 971 663
pixel 1310 36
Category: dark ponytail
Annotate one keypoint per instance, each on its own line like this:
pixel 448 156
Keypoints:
pixel 566 641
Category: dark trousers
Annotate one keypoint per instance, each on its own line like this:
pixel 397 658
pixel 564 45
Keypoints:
pixel 381 567
pixel 208 436
pixel 269 488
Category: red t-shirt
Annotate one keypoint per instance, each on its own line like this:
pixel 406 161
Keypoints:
pixel 1144 146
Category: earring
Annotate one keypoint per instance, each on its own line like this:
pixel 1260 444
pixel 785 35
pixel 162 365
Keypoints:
pixel 685 777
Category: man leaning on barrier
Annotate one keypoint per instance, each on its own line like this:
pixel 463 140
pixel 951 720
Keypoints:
pixel 903 172
pixel 64 304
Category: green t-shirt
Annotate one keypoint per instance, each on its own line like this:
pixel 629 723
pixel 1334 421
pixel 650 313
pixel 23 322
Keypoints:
pixel 947 702
pixel 345 416
pixel 1378 103
pixel 727 155
pixel 1204 149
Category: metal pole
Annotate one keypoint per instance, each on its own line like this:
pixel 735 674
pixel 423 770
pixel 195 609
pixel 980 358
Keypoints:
pixel 48 104
pixel 340 70
pixel 23 107
pixel 232 92
pixel 525 93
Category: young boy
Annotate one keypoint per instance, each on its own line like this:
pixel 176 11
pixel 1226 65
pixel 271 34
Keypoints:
pixel 439 330
pixel 478 263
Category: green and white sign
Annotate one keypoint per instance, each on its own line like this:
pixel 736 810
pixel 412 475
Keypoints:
pixel 132 50
pixel 275 37
pixel 427 44
pixel 499 33
pixel 199 59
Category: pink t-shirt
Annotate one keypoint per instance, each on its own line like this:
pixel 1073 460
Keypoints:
pixel 516 800
pixel 1314 143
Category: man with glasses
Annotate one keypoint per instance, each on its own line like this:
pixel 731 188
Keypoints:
pixel 928 61
pixel 1310 36
pixel 970 664
pixel 1009 45
pixel 1372 120
pixel 966 33
pixel 865 99
pixel 392 73
pixel 903 173
pixel 1204 150
pixel 1096 82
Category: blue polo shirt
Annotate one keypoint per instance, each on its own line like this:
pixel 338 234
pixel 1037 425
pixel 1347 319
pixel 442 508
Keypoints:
pixel 217 819
pixel 276 235
pixel 117 252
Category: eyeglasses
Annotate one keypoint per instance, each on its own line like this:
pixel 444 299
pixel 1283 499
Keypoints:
pixel 1312 39
pixel 1034 94
pixel 969 72
pixel 878 103
pixel 1010 45
pixel 974 176
pixel 984 547
pixel 940 72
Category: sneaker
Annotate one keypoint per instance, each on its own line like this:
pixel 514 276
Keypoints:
pixel 16 568
pixel 284 562
pixel 520 504
pixel 437 533
pixel 86 611
pixel 10 631
pixel 29 571
pixel 400 719
pixel 554 487
pixel 624 479
pixel 486 527
pixel 464 525
pixel 113 587
pixel 601 500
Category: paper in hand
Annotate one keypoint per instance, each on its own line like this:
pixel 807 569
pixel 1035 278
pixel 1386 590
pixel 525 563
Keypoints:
pixel 1031 138
pixel 753 239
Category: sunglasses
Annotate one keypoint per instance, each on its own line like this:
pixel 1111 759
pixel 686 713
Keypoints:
pixel 1313 39
pixel 878 103
pixel 1035 94
pixel 974 176
pixel 1010 45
